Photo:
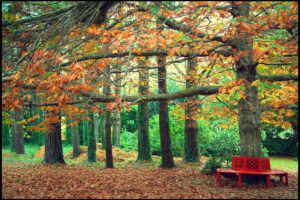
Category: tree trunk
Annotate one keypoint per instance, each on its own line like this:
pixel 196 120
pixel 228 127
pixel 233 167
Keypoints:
pixel 144 152
pixel 249 112
pixel 13 132
pixel 191 151
pixel 116 128
pixel 76 147
pixel 85 133
pixel 92 143
pixel 80 132
pixel 104 127
pixel 250 124
pixel 117 115
pixel 164 126
pixel 108 146
pixel 53 146
pixel 20 132
pixel 41 134
pixel 97 126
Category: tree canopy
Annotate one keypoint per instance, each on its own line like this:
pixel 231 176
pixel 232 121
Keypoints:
pixel 59 51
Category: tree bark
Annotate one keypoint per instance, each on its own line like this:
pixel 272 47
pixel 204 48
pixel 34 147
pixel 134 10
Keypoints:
pixel 20 132
pixel 164 125
pixel 13 132
pixel 92 142
pixel 191 150
pixel 144 152
pixel 76 147
pixel 97 126
pixel 108 145
pixel 53 144
pixel 103 126
pixel 117 115
pixel 249 112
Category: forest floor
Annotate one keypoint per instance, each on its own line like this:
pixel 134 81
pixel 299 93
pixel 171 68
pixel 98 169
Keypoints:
pixel 24 176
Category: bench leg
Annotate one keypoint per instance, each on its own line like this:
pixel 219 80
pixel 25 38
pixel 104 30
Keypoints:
pixel 240 180
pixel 219 178
pixel 286 179
pixel 268 181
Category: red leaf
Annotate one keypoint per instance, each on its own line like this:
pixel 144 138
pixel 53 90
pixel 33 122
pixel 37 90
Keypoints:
pixel 118 99
pixel 126 104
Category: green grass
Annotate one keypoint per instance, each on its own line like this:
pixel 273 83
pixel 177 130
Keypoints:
pixel 284 163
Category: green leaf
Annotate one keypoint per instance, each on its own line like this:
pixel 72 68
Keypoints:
pixel 243 18
pixel 185 38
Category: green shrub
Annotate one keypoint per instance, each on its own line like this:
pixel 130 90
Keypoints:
pixel 224 145
pixel 212 164
pixel 128 140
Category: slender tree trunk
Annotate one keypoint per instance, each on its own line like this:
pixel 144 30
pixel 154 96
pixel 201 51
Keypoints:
pixel 53 146
pixel 85 133
pixel 104 128
pixel 20 132
pixel 164 125
pixel 80 132
pixel 76 147
pixel 144 152
pixel 41 135
pixel 97 126
pixel 117 115
pixel 13 132
pixel 107 128
pixel 191 151
pixel 92 142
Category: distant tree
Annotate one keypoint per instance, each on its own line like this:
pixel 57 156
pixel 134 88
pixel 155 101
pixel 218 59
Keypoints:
pixel 92 142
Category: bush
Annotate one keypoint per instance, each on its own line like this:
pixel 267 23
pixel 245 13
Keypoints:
pixel 224 145
pixel 128 140
pixel 211 165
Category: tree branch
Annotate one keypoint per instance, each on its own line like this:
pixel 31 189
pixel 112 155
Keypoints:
pixel 275 78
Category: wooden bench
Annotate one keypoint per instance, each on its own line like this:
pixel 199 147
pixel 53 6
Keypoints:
pixel 251 165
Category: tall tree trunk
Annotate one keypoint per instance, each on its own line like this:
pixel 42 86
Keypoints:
pixel 117 115
pixel 20 132
pixel 191 151
pixel 97 126
pixel 80 132
pixel 249 112
pixel 104 127
pixel 92 142
pixel 144 152
pixel 53 146
pixel 164 125
pixel 107 128
pixel 13 132
pixel 85 133
pixel 41 135
pixel 76 147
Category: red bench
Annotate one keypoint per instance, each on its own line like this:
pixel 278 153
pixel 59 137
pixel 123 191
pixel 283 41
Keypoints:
pixel 251 165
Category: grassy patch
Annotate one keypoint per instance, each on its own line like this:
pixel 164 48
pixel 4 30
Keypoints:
pixel 284 163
